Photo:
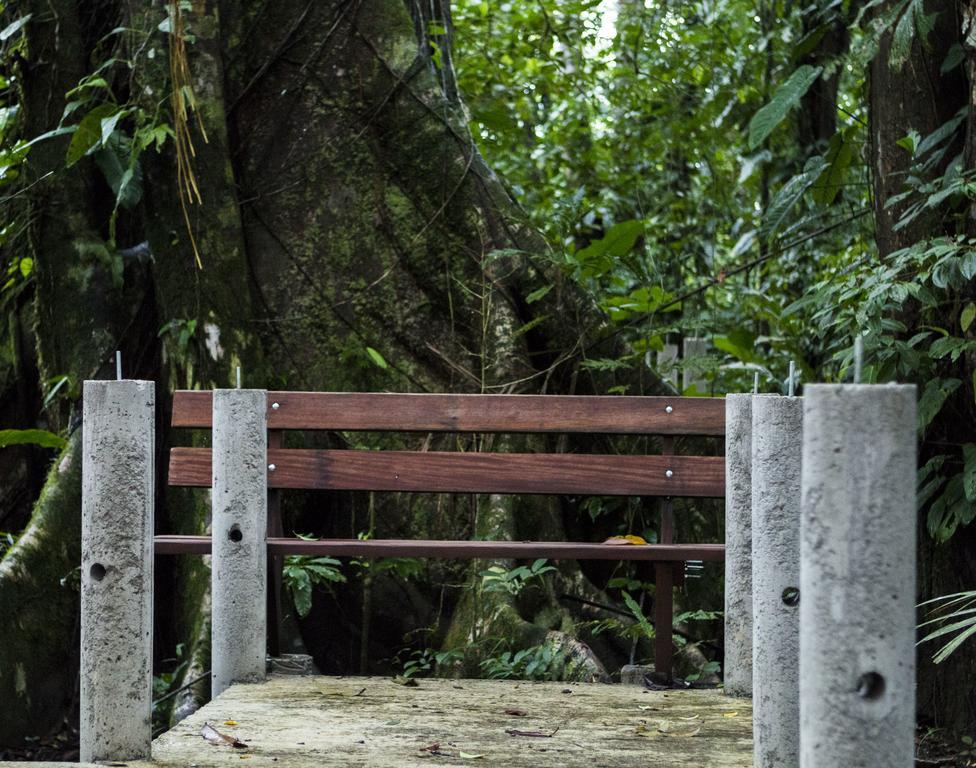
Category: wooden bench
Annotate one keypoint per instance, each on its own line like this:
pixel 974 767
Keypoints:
pixel 666 475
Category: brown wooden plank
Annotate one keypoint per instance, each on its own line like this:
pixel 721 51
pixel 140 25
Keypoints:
pixel 520 550
pixel 380 411
pixel 440 472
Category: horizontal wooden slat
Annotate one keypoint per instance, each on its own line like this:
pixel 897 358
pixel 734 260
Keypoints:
pixel 555 550
pixel 356 411
pixel 440 472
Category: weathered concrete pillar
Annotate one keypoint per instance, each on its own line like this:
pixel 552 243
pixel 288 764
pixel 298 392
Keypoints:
pixel 738 545
pixel 118 475
pixel 240 519
pixel 857 619
pixel 694 346
pixel 777 435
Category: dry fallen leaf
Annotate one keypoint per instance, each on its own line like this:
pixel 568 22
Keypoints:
pixel 729 714
pixel 214 736
pixel 469 756
pixel 231 723
pixel 537 734
pixel 408 682
pixel 667 729
pixel 516 712
pixel 628 539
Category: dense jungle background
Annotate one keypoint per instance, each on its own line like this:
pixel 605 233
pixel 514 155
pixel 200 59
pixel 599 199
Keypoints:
pixel 547 196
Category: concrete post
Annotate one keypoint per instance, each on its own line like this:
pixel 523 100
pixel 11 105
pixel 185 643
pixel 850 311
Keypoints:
pixel 777 434
pixel 857 620
pixel 239 529
pixel 738 545
pixel 118 475
pixel 694 346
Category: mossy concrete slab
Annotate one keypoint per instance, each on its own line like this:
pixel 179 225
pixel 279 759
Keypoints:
pixel 368 721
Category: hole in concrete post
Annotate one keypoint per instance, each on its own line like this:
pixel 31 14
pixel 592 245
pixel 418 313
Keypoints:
pixel 870 686
pixel 235 534
pixel 791 596
pixel 97 571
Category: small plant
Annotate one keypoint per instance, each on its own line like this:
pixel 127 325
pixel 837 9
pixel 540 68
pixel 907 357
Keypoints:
pixel 163 682
pixel 540 662
pixel 425 660
pixel 711 668
pixel 638 613
pixel 302 572
pixel 961 621
pixel 498 579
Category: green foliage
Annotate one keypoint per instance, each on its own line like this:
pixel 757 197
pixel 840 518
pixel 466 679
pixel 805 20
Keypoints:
pixel 956 620
pixel 424 661
pixel 513 581
pixel 638 614
pixel 658 149
pixel 540 662
pixel 787 97
pixel 40 437
pixel 302 572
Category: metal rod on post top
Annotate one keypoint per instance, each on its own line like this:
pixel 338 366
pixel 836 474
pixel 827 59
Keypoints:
pixel 118 365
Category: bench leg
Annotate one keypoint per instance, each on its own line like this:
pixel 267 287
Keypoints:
pixel 275 562
pixel 663 616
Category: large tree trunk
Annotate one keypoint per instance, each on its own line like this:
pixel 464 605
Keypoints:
pixel 342 206
pixel 919 96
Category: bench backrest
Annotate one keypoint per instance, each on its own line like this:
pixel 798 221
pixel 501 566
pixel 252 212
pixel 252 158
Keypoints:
pixel 665 475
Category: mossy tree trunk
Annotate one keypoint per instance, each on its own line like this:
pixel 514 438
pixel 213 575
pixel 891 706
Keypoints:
pixel 343 207
pixel 918 94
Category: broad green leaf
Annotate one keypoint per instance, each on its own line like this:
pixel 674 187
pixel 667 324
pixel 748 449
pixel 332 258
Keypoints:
pixel 27 266
pixel 969 471
pixel 967 316
pixel 901 41
pixel 839 157
pixel 88 134
pixel 967 265
pixel 908 142
pixel 108 125
pixel 377 358
pixel 14 27
pixel 953 58
pixel 739 342
pixel 933 398
pixel 122 175
pixel 39 437
pixel 790 194
pixel 949 346
pixel 787 96
pixel 599 255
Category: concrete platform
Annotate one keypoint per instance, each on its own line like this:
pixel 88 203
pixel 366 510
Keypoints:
pixel 368 721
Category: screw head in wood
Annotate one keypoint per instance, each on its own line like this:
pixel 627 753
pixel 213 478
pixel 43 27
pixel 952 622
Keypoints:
pixel 271 467
pixel 669 473
pixel 275 406
pixel 668 409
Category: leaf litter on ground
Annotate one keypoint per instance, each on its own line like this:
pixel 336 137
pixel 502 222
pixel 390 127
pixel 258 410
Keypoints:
pixel 213 736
